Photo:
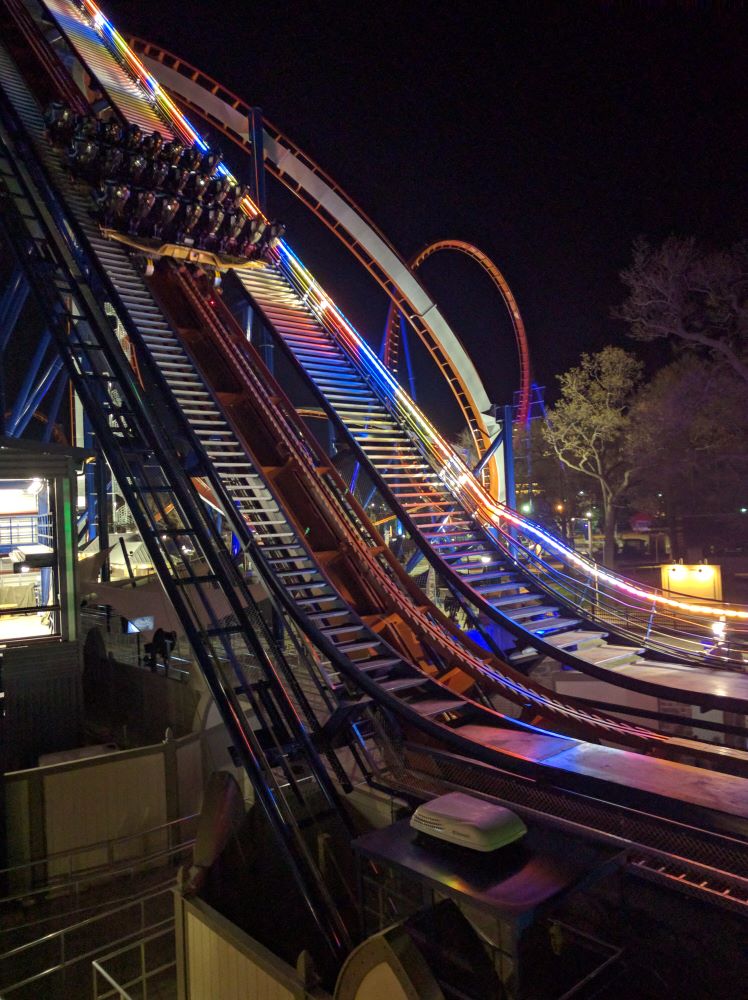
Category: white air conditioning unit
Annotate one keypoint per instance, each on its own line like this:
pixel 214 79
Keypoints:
pixel 461 819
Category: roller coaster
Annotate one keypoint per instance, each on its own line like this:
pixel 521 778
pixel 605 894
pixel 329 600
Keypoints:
pixel 123 264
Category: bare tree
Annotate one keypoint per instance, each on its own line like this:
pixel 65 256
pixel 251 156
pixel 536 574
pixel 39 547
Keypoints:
pixel 694 297
pixel 587 427
pixel 689 439
pixel 464 445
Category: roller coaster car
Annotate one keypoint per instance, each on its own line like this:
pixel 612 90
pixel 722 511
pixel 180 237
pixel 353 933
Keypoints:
pixel 152 249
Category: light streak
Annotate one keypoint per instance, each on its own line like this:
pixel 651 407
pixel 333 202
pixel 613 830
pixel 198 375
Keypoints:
pixel 454 472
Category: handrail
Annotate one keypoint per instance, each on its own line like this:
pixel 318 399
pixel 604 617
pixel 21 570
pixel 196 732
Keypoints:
pixel 66 246
pixel 98 967
pixel 74 884
pixel 233 101
pixel 425 620
pixel 491 516
pixel 96 846
pixel 459 583
pixel 61 936
pixel 335 208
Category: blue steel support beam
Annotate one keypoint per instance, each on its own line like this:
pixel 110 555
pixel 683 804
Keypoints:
pixel 54 406
pixel 490 451
pixel 332 441
pixel 11 304
pixel 101 473
pixel 30 378
pixel 509 487
pixel 32 404
pixel 371 493
pixel 42 511
pixel 90 479
pixel 414 561
pixel 504 437
pixel 257 180
pixel 406 352
pixel 267 347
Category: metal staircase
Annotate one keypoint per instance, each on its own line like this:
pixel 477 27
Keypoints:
pixel 142 439
pixel 489 575
pixel 162 438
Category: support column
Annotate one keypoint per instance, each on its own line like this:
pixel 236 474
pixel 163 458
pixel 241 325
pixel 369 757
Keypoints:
pixel 54 406
pixel 102 509
pixel 11 304
pixel 406 353
pixel 257 180
pixel 90 479
pixel 28 387
pixel 510 497
pixel 504 441
pixel 43 386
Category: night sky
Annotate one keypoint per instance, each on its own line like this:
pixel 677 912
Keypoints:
pixel 549 135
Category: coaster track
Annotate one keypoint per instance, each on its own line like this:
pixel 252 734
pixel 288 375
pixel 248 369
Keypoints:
pixel 199 412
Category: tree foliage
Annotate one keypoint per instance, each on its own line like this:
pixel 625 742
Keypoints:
pixel 689 438
pixel 588 426
pixel 694 297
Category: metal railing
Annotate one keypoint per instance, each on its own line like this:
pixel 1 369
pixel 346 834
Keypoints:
pixel 50 965
pixel 128 647
pixel 122 966
pixel 19 530
pixel 121 859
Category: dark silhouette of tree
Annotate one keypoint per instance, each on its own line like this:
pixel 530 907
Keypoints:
pixel 696 298
pixel 588 427
pixel 689 441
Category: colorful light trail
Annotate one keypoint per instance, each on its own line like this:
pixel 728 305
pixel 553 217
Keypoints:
pixel 490 513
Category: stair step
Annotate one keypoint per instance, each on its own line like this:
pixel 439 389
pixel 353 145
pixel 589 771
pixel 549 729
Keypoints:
pixel 610 656
pixel 531 611
pixel 379 663
pixel 578 640
pixel 430 708
pixel 506 602
pixel 403 684
pixel 551 625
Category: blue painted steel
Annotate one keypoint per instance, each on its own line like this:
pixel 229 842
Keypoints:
pixel 367 501
pixel 257 182
pixel 490 451
pixel 30 378
pixel 267 347
pixel 11 304
pixel 103 480
pixel 509 484
pixel 332 441
pixel 504 437
pixel 54 406
pixel 42 506
pixel 406 352
pixel 414 561
pixel 44 385
pixel 90 479
pixel 383 344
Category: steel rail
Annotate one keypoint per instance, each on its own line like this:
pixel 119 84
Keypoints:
pixel 497 512
pixel 391 332
pixel 296 170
